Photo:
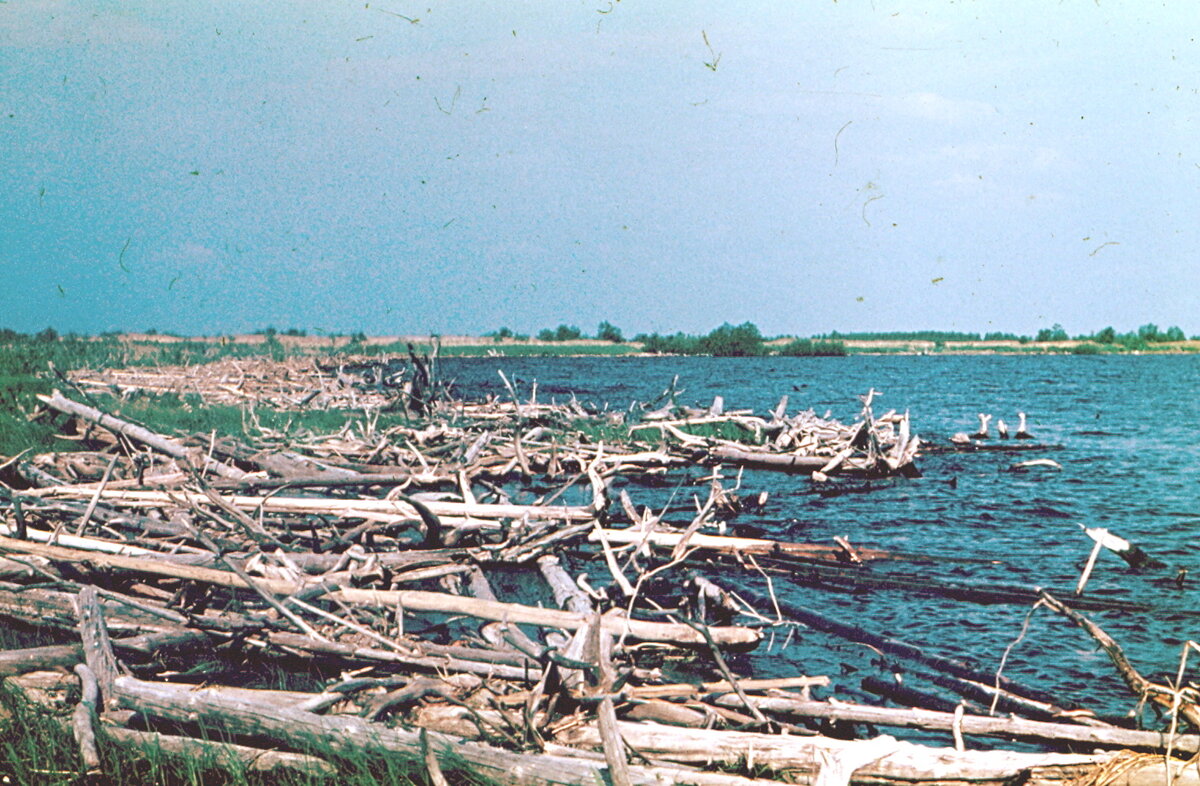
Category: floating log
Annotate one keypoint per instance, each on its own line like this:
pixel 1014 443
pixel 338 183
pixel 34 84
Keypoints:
pixel 732 545
pixel 982 725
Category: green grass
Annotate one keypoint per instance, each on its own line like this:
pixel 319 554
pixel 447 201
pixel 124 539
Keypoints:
pixel 37 748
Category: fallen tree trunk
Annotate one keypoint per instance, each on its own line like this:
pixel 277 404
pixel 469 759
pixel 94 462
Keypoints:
pixel 614 622
pixel 1161 695
pixel 731 545
pixel 137 433
pixel 350 736
pixel 317 505
pixel 882 760
pixel 1008 728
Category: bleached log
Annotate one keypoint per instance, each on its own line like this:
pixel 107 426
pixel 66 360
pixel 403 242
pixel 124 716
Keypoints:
pixel 137 433
pixel 882 760
pixel 987 726
pixel 340 506
pixel 731 545
pixel 353 736
pixel 268 762
pixel 84 718
pixel 614 622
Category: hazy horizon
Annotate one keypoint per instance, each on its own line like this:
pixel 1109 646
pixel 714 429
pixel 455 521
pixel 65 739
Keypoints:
pixel 401 169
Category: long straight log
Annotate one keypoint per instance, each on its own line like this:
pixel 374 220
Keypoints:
pixel 894 647
pixel 411 600
pixel 782 462
pixel 982 725
pixel 882 760
pixel 135 432
pixel 730 545
pixel 317 505
pixel 353 736
pixel 21 661
pixel 269 762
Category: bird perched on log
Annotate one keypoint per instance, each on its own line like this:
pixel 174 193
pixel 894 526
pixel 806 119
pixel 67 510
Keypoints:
pixel 1022 433
pixel 983 426
pixel 1002 429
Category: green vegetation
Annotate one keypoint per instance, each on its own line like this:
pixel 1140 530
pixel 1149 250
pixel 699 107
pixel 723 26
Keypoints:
pixel 37 747
pixel 806 347
pixel 910 335
pixel 560 333
pixel 609 332
pixel 728 340
pixel 1055 333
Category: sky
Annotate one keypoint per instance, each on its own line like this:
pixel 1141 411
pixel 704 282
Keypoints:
pixel 403 167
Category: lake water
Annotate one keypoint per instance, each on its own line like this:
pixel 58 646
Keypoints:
pixel 1130 462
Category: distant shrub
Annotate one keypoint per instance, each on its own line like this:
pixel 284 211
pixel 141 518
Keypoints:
pixel 1106 336
pixel 609 332
pixel 903 335
pixel 806 347
pixel 678 344
pixel 1086 349
pixel 742 340
pixel 1132 341
pixel 1055 333
pixel 561 333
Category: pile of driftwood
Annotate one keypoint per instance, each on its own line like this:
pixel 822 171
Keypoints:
pixel 318 383
pixel 443 618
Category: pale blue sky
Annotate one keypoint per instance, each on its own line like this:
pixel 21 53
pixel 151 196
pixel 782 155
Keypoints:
pixel 222 166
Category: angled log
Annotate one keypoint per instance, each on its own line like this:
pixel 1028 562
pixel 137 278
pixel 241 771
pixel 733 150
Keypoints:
pixel 135 432
pixel 1161 695
pixel 84 718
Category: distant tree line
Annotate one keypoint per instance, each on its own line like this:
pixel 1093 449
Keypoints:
pixel 911 335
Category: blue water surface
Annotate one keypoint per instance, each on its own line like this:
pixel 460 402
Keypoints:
pixel 1128 427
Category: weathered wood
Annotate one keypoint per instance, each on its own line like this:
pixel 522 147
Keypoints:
pixel 97 648
pixel 352 736
pixel 1008 728
pixel 338 506
pixel 567 594
pixel 414 600
pixel 733 545
pixel 435 663
pixel 268 762
pixel 1161 695
pixel 21 661
pixel 883 760
pixel 137 433
pixel 84 718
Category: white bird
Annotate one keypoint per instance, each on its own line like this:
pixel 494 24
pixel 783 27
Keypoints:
pixel 1002 429
pixel 1021 432
pixel 983 426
